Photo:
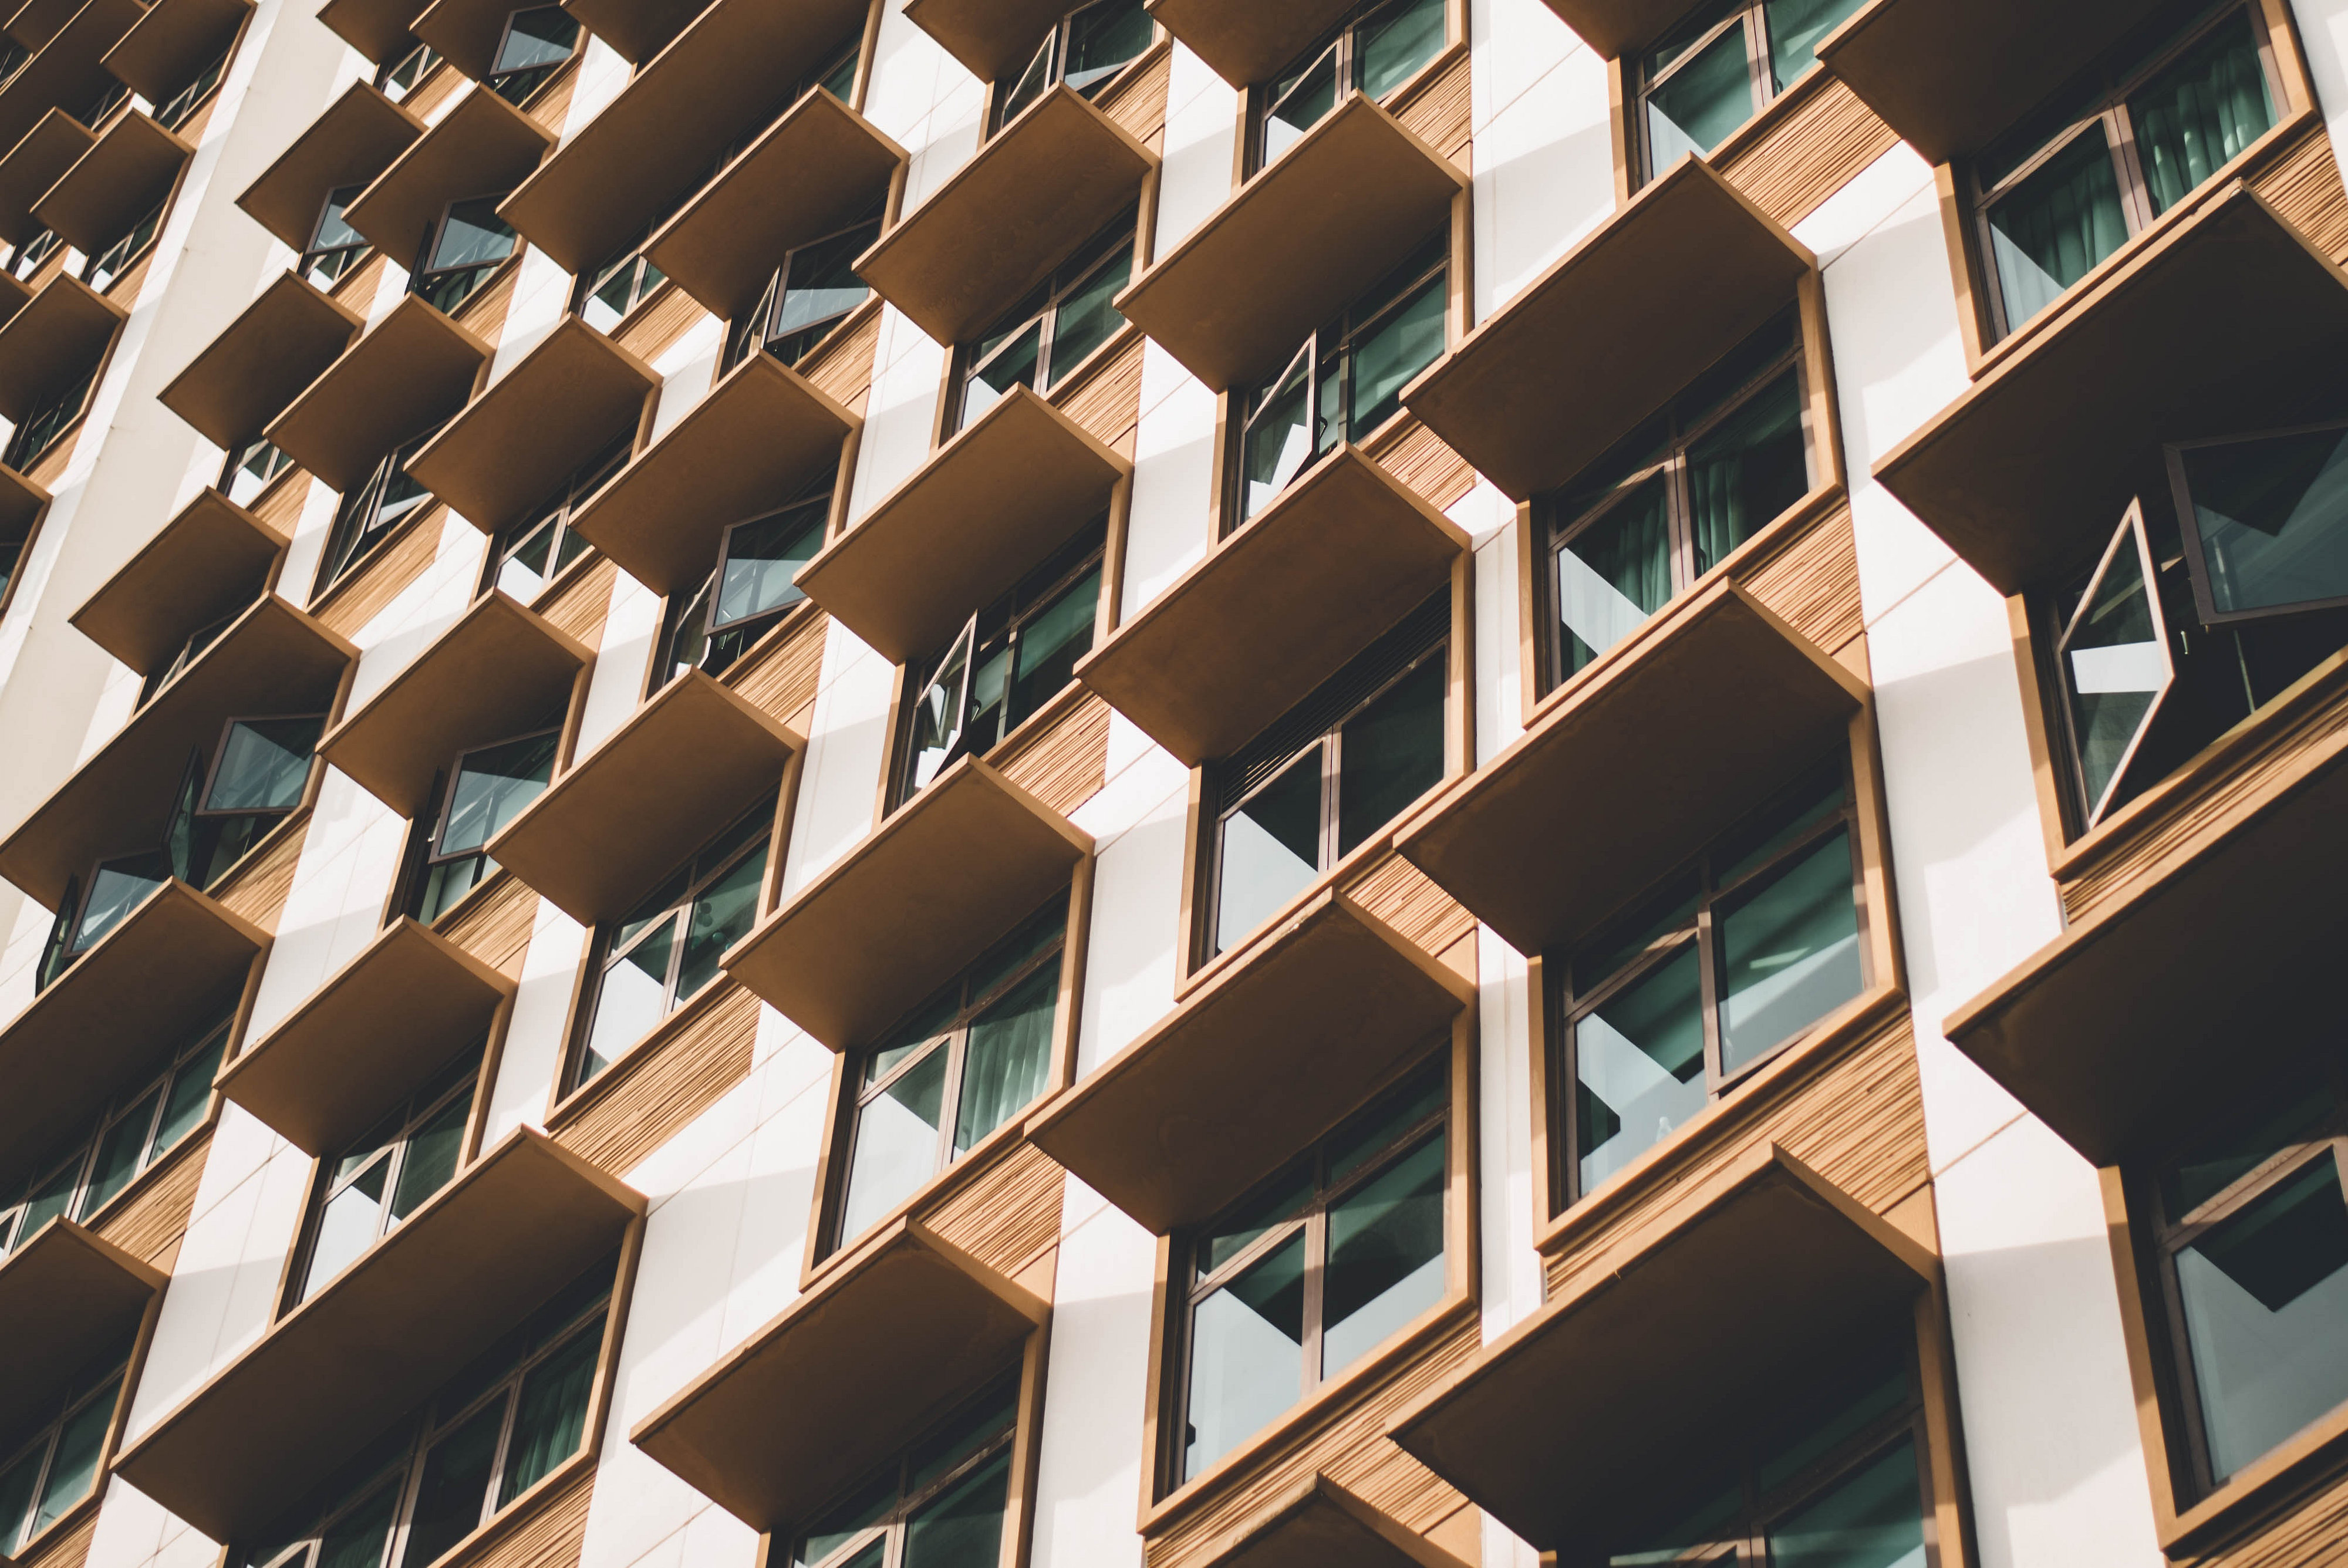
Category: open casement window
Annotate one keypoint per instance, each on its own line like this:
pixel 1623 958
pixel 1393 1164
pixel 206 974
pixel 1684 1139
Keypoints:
pixel 251 469
pixel 372 511
pixel 2115 665
pixel 47 422
pixel 2142 129
pixel 253 781
pixel 945 1502
pixel 27 258
pixel 747 592
pixel 610 295
pixel 180 106
pixel 364 1191
pixel 100 271
pixel 532 552
pixel 485 789
pixel 967 1061
pixel 1381 46
pixel 1731 962
pixel 1722 67
pixel 1836 1478
pixel 1006 663
pixel 1328 777
pixel 2245 1260
pixel 665 951
pixel 538 39
pixel 2265 520
pixel 397 77
pixel 1045 337
pixel 1676 496
pixel 473 1447
pixel 1309 1275
pixel 47 1472
pixel 463 251
pixel 1345 381
pixel 335 246
pixel 135 1128
pixel 810 295
pixel 1086 48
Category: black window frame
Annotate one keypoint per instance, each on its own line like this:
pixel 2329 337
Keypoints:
pixel 360 530
pixel 403 73
pixel 105 1376
pixel 327 265
pixel 427 855
pixel 56 415
pixel 519 85
pixel 102 270
pixel 757 330
pixel 181 107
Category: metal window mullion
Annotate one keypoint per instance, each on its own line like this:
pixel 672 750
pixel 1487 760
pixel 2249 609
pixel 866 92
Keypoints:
pixel 950 1102
pixel 506 1424
pixel 1316 1292
pixel 1275 1236
pixel 1708 988
pixel 1757 58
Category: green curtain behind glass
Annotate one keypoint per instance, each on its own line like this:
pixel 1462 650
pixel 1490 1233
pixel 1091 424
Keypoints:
pixel 2200 112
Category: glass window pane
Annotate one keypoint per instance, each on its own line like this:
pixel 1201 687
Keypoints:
pixel 722 916
pixel 761 559
pixel 334 230
pixel 431 1157
pixel 1795 28
pixel 1353 1147
pixel 1015 365
pixel 2266 1312
pixel 1299 104
pixel 1637 1066
pixel 1789 954
pixel 191 1092
pixel 1745 470
pixel 1236 1235
pixel 1052 642
pixel 493 785
pixel 1279 438
pixel 1032 82
pixel 1874 1520
pixel 2202 113
pixel 2234 1152
pixel 1008 1056
pixel 118 888
pixel 74 1469
pixel 264 764
pixel 2114 667
pixel 1391 753
pixel 347 1228
pixel 822 283
pixel 2272 516
pixel 51 1198
pixel 1247 1355
pixel 633 998
pixel 2056 225
pixel 357 1540
pixel 473 235
pixel 1086 318
pixel 1102 39
pixel 1386 1257
pixel 896 1144
pixel 118 1156
pixel 938 715
pixel 1782 826
pixel 846 1523
pixel 1405 343
pixel 1391 49
pixel 552 1416
pixel 1271 850
pixel 541 35
pixel 1615 574
pixel 16 1484
pixel 962 1528
pixel 1694 108
pixel 450 1501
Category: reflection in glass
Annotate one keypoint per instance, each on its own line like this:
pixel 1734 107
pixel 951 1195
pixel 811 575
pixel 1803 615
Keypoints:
pixel 1391 753
pixel 2271 517
pixel 1745 470
pixel 632 999
pixel 1795 28
pixel 1279 437
pixel 1271 850
pixel 2202 113
pixel 1789 954
pixel 551 1417
pixel 1615 572
pixel 1874 1520
pixel 1247 1355
pixel 493 785
pixel 1638 1067
pixel 1009 1057
pixel 1387 356
pixel 263 765
pixel 2115 665
pixel 896 1143
pixel 964 1529
pixel 455 1476
pixel 2055 225
pixel 1695 108
pixel 1386 1257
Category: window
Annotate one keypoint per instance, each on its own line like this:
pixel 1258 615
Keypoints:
pixel 2146 129
pixel 399 76
pixel 537 41
pixel 1678 496
pixel 252 781
pixel 465 250
pixel 610 295
pixel 100 271
pixel 810 295
pixel 1735 960
pixel 129 1134
pixel 488 1436
pixel 1836 1479
pixel 747 592
pixel 966 1061
pixel 182 106
pixel 369 514
pixel 1721 68
pixel 187 652
pixel 2249 1238
pixel 532 553
pixel 59 1466
pixel 16 543
pixel 335 246
pixel 487 788
pixel 1009 660
pixel 1051 332
pixel 944 1504
pixel 27 258
pixel 1377 49
pixel 1347 379
pixel 666 952
pixel 47 422
pixel 365 1191
pixel 252 469
pixel 110 95
pixel 13 55
pixel 1329 776
pixel 1303 1279
pixel 1086 48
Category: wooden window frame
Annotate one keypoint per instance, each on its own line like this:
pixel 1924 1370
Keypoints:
pixel 998 93
pixel 432 828
pixel 2189 524
pixel 1257 102
pixel 754 332
pixel 557 508
pixel 675 610
pixel 343 259
pixel 494 81
pixel 134 1364
pixel 1097 253
pixel 424 277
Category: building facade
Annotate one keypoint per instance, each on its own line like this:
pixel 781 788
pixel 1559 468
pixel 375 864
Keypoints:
pixel 933 783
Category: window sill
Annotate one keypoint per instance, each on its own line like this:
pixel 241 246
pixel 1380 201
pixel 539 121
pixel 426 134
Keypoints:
pixel 1745 138
pixel 570 1106
pixel 986 1155
pixel 2265 1487
pixel 1764 1090
pixel 61 1530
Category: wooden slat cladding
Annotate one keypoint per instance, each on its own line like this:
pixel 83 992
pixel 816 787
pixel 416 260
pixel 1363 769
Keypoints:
pixel 124 290
pixel 668 316
pixel 1857 1119
pixel 439 84
pixel 279 506
pixel 1009 1214
pixel 648 1096
pixel 579 605
pixel 484 315
pixel 52 466
pixel 842 367
pixel 781 673
pixel 1419 459
pixel 358 287
pixel 1438 110
pixel 1812 580
pixel 1349 1442
pixel 2303 185
pixel 2313 1534
pixel 1065 763
pixel 383 576
pixel 1105 402
pixel 494 926
pixel 265 877
pixel 550 1534
pixel 1810 153
pixel 1400 894
pixel 148 1220
pixel 2307 728
pixel 1137 101
pixel 551 107
pixel 67 1548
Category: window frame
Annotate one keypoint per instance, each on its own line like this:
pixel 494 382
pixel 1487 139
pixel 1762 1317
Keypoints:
pixel 368 536
pixel 557 508
pixel 754 332
pixel 423 279
pixel 133 1363
pixel 130 248
pixel 999 113
pixel 661 671
pixel 2197 563
pixel 58 414
pixel 183 105
pixel 1257 102
pixel 429 855
pixel 496 81
pixel 346 259
pixel 1100 252
pixel 2065 724
pixel 428 61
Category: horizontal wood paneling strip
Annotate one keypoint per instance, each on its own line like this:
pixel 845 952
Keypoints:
pixel 2303 187
pixel 1811 153
pixel 67 1548
pixel 552 104
pixel 495 925
pixel 279 506
pixel 650 1093
pixel 375 581
pixel 1106 402
pixel 148 1220
pixel 1418 458
pixel 579 606
pixel 1437 110
pixel 1813 581
pixel 124 290
pixel 1400 894
pixel 1065 765
pixel 780 676
pixel 484 315
pixel 1009 1214
pixel 842 367
pixel 1138 100
pixel 263 878
pixel 550 1535
pixel 669 316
